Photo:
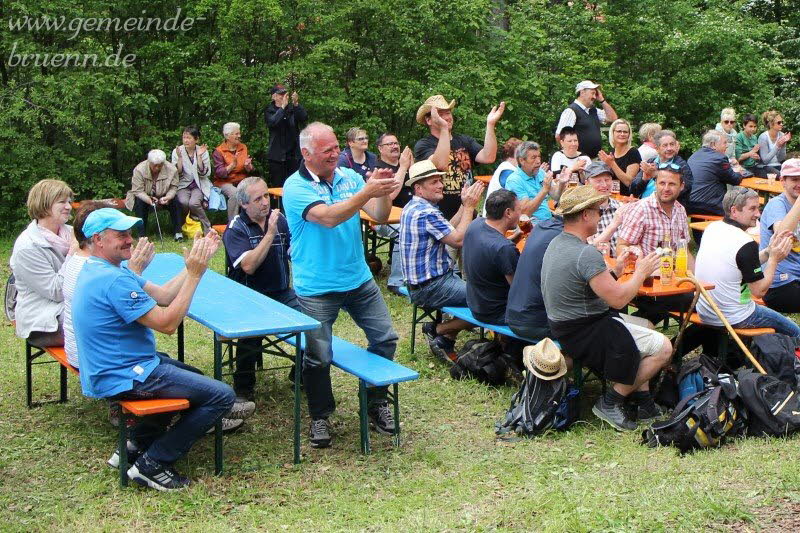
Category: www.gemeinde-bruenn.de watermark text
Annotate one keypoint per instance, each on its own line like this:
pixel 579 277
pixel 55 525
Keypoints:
pixel 77 25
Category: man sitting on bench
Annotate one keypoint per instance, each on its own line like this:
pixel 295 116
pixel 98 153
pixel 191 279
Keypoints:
pixel 114 313
pixel 580 294
pixel 729 258
pixel 427 267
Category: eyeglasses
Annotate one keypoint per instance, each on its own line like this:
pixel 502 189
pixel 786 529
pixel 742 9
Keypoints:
pixel 673 166
pixel 729 122
pixel 362 138
pixel 779 122
pixel 394 143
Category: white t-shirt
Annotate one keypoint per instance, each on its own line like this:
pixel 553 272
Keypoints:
pixel 494 183
pixel 72 268
pixel 728 258
pixel 560 160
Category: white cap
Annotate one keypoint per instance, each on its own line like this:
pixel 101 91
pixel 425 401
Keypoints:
pixel 586 84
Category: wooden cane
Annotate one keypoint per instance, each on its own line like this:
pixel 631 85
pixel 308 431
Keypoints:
pixel 690 278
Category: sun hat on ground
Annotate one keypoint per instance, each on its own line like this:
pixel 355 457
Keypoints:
pixel 544 360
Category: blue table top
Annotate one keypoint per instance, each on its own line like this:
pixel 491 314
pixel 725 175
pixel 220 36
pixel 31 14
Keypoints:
pixel 229 308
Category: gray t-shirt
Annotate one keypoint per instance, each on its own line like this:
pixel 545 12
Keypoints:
pixel 568 265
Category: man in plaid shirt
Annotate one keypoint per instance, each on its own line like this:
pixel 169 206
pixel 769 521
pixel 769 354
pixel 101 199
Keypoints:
pixel 598 175
pixel 427 267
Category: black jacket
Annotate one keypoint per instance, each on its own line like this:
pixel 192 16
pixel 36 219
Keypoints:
pixel 284 129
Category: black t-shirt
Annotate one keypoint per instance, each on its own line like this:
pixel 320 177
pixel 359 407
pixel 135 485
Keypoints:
pixel 488 258
pixel 633 156
pixel 463 151
pixel 405 193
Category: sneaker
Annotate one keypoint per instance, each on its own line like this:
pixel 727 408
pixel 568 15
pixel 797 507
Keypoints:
pixel 133 454
pixel 381 418
pixel 228 424
pixel 649 412
pixel 614 414
pixel 114 413
pixel 245 394
pixel 444 349
pixel 396 291
pixel 149 473
pixel 320 433
pixel 178 237
pixel 429 329
pixel 242 409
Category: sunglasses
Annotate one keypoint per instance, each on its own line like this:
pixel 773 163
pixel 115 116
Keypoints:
pixel 362 138
pixel 673 166
pixel 729 122
pixel 779 122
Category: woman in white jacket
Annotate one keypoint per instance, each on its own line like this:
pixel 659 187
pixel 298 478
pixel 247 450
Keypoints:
pixel 36 261
pixel 194 168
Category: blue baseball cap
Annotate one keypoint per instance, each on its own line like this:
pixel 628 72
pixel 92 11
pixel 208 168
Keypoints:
pixel 108 218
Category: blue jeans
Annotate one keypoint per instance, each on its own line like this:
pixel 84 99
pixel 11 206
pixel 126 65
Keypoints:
pixel 764 317
pixel 396 273
pixel 366 307
pixel 209 400
pixel 448 290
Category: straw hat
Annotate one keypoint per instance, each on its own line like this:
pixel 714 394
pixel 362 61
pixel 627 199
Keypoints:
pixel 421 170
pixel 438 101
pixel 579 198
pixel 544 360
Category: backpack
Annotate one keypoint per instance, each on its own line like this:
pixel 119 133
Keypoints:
pixel 540 405
pixel 772 406
pixel 483 360
pixel 776 353
pixel 702 420
pixel 699 374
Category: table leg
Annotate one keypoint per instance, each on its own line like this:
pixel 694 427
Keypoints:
pixel 298 370
pixel 180 342
pixel 218 425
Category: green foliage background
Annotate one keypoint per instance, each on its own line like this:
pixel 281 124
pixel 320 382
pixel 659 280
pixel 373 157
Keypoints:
pixel 371 64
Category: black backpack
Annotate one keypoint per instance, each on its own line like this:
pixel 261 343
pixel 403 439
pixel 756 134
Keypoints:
pixel 483 360
pixel 772 406
pixel 702 420
pixel 776 353
pixel 540 405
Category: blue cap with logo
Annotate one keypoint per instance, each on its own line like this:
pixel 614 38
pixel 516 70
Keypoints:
pixel 108 218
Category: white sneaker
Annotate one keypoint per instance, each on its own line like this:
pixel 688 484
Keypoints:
pixel 228 424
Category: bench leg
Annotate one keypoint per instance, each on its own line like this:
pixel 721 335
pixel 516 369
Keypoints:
pixel 180 342
pixel 63 379
pixel 362 412
pixel 396 399
pixel 298 371
pixel 28 374
pixel 413 328
pixel 218 425
pixel 122 446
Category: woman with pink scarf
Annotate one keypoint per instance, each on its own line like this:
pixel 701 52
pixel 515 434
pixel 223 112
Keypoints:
pixel 39 252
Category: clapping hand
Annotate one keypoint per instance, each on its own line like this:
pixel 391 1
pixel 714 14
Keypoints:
pixel 438 121
pixel 142 254
pixel 470 196
pixel 606 158
pixel 780 245
pixel 381 183
pixel 406 158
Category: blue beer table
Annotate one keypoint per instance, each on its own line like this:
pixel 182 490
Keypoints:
pixel 232 311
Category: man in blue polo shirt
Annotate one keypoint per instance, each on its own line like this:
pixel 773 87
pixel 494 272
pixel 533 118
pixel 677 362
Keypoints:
pixel 257 256
pixel 530 182
pixel 330 272
pixel 114 312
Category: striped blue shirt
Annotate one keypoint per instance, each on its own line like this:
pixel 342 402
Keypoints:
pixel 422 254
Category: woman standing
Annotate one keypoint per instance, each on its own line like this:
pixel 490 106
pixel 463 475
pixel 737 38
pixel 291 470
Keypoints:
pixel 624 159
pixel 772 143
pixel 39 252
pixel 194 168
pixel 356 156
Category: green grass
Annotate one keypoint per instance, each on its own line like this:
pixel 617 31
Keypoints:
pixel 449 474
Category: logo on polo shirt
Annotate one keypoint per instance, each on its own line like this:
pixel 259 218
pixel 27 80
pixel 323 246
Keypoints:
pixel 134 294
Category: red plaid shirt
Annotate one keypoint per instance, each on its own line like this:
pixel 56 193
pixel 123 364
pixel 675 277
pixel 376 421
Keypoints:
pixel 646 223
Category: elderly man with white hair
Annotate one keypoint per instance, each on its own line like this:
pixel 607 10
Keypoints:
pixel 712 171
pixel 155 183
pixel 232 164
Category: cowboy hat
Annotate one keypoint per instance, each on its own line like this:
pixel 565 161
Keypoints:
pixel 438 101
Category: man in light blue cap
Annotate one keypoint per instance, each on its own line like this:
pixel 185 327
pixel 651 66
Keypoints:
pixel 114 314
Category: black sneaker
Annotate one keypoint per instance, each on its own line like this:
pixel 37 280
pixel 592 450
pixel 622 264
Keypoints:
pixel 396 291
pixel 149 473
pixel 429 329
pixel 649 412
pixel 133 454
pixel 320 433
pixel 242 409
pixel 381 418
pixel 614 414
pixel 444 349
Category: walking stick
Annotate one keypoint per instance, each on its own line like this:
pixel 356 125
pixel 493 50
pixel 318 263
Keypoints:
pixel 158 224
pixel 701 290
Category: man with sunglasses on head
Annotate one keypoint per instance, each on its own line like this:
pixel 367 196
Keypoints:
pixel 712 171
pixel 667 146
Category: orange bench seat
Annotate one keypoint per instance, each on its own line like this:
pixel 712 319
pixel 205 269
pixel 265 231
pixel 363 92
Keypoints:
pixel 748 332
